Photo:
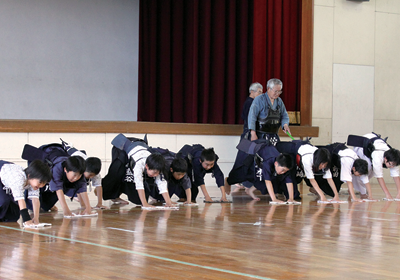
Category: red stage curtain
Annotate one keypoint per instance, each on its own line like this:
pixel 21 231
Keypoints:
pixel 276 46
pixel 195 60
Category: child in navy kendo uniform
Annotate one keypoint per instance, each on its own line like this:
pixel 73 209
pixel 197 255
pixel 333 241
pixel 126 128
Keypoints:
pixel 91 174
pixel 200 162
pixel 67 178
pixel 266 168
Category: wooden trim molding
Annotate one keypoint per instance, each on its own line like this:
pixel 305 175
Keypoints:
pixel 47 126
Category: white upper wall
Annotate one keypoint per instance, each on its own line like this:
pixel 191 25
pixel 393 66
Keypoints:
pixel 356 69
pixel 69 60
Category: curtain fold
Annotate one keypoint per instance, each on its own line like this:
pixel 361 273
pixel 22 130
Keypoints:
pixel 195 60
pixel 276 41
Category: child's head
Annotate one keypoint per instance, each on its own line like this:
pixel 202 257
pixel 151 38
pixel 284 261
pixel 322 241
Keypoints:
pixel 178 168
pixel 391 158
pixel 283 163
pixel 207 158
pixel 322 159
pixel 155 164
pixel 74 167
pixel 360 167
pixel 38 174
pixel 93 167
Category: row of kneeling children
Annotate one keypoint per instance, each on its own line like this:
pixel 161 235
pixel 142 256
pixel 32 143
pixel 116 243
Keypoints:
pixel 146 173
pixel 278 168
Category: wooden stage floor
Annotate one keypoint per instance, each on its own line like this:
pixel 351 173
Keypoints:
pixel 242 240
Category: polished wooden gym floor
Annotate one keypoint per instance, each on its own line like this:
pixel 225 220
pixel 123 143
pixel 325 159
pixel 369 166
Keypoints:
pixel 243 240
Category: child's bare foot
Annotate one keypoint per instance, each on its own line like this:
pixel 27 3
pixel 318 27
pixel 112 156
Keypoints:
pixel 152 200
pixel 119 201
pixel 238 188
pixel 364 196
pixel 54 209
pixel 88 212
pixel 100 207
pixel 250 192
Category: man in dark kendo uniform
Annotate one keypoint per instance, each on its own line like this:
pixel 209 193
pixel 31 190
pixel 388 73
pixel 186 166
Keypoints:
pixel 268 113
pixel 255 90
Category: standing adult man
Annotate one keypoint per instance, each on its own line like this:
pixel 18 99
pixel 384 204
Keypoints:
pixel 268 113
pixel 255 90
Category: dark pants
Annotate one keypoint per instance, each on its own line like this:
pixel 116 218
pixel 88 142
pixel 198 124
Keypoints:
pixel 324 185
pixel 242 170
pixel 279 185
pixel 150 189
pixel 247 184
pixel 47 199
pixel 194 190
pixel 9 208
pixel 177 189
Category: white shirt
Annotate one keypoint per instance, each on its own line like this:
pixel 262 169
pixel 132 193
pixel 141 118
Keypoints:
pixel 139 155
pixel 14 179
pixel 375 168
pixel 307 159
pixel 347 158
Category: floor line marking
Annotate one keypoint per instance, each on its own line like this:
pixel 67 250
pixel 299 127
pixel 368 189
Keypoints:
pixel 379 219
pixel 141 254
pixel 121 229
